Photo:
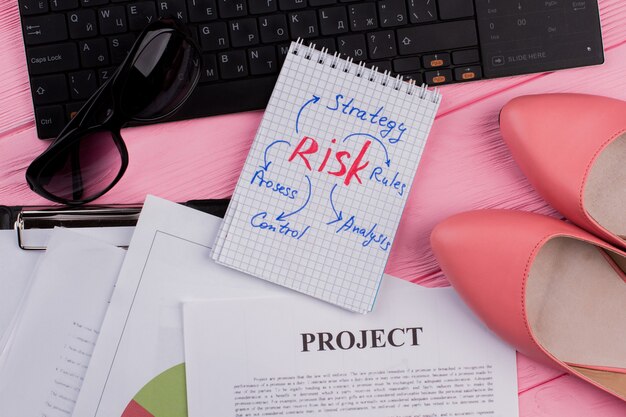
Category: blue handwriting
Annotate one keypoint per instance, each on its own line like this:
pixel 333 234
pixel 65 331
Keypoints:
pixel 391 129
pixel 259 179
pixel 369 234
pixel 260 221
pixel 380 177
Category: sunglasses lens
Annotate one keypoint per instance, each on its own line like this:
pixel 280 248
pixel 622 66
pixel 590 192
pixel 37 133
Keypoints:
pixel 83 170
pixel 161 77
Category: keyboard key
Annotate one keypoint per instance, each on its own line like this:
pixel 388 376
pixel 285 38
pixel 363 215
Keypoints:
pixel 322 2
pixel 60 5
pixel 282 51
pixel 202 10
pixel 82 84
pixel 363 16
pixel 52 58
pixel 50 121
pixel 381 44
pixel 72 108
pixel 141 14
pixel 232 8
pixel 438 77
pixel 422 11
pixel 381 66
pixel 262 6
pixel 82 24
pixel 209 68
pixel 411 64
pixel 89 3
pixel 49 89
pixel 328 43
pixel 112 20
pixel 44 29
pixel 174 9
pixel 333 20
pixel 233 64
pixel 415 76
pixel 119 47
pixel 291 4
pixel 243 32
pixel 465 57
pixel 468 73
pixel 213 36
pixel 436 60
pixel 353 46
pixel 31 7
pixel 303 24
pixel 93 53
pixel 273 28
pixel 437 37
pixel 104 74
pixel 455 9
pixel 392 13
pixel 263 60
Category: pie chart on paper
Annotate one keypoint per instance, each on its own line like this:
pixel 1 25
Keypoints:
pixel 164 396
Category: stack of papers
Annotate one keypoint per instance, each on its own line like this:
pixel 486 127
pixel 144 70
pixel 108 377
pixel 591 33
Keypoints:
pixel 184 336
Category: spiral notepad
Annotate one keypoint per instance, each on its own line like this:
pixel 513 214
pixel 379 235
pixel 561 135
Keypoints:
pixel 322 191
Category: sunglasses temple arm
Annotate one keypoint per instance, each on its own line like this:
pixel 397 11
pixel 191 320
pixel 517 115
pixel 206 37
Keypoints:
pixel 77 179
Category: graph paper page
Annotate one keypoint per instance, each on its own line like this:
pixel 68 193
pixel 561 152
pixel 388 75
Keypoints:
pixel 322 191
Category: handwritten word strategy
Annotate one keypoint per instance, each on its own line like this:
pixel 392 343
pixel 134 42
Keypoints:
pixel 318 157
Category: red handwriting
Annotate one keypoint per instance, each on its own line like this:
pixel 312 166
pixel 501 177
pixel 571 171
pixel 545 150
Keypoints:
pixel 308 149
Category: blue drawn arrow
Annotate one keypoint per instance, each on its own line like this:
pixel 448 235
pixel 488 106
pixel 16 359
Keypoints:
pixel 338 215
pixel 315 99
pixel 282 216
pixel 267 163
pixel 387 160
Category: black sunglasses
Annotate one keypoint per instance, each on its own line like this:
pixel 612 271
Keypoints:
pixel 89 156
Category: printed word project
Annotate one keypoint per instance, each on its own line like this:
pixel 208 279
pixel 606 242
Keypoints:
pixel 322 191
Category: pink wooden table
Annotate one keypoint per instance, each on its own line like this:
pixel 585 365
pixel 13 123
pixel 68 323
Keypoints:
pixel 465 166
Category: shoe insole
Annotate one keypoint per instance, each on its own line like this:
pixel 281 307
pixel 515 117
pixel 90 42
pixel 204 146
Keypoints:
pixel 576 308
pixel 605 190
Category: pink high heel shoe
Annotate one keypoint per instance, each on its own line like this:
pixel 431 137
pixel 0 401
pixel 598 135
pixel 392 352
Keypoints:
pixel 572 148
pixel 552 290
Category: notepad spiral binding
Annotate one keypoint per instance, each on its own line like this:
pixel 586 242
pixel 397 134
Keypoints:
pixel 347 65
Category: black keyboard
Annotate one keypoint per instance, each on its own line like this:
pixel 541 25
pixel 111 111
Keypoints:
pixel 73 46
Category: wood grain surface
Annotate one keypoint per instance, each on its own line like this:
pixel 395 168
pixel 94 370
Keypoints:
pixel 465 166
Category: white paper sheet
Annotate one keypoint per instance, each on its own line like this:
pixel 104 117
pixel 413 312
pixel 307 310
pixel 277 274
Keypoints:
pixel 45 361
pixel 420 353
pixel 320 197
pixel 15 270
pixel 17 266
pixel 137 366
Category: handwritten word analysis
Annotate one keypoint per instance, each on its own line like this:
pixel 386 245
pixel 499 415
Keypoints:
pixel 262 221
pixel 391 130
pixel 259 179
pixel 378 175
pixel 369 234
pixel 307 151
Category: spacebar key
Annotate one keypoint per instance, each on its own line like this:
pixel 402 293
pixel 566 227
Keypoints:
pixel 52 58
pixel 437 37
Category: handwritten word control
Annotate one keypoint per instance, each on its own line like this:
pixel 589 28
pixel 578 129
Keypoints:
pixel 264 222
pixel 307 151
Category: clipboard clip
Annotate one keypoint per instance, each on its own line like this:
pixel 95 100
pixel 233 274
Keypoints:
pixel 88 216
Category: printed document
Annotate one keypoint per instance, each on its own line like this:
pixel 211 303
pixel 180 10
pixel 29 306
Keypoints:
pixel 46 358
pixel 420 353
